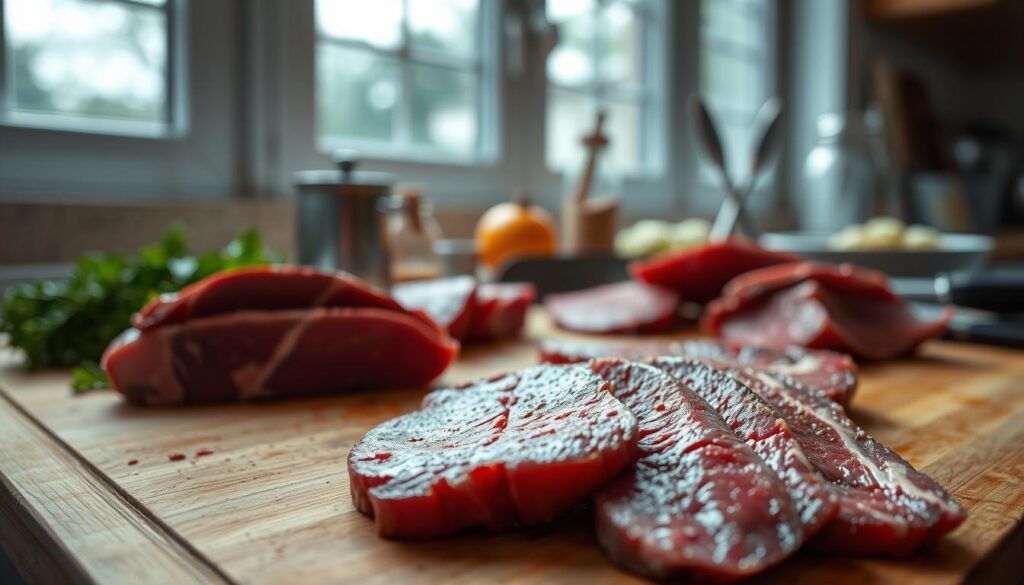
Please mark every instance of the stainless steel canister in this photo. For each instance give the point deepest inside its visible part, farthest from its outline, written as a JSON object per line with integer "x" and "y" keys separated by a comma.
{"x": 341, "y": 225}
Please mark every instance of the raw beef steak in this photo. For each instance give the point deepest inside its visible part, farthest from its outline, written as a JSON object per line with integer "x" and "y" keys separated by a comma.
{"x": 268, "y": 288}
{"x": 760, "y": 426}
{"x": 698, "y": 500}
{"x": 253, "y": 355}
{"x": 698, "y": 274}
{"x": 885, "y": 505}
{"x": 625, "y": 307}
{"x": 818, "y": 306}
{"x": 449, "y": 301}
{"x": 832, "y": 374}
{"x": 518, "y": 448}
{"x": 274, "y": 332}
{"x": 500, "y": 311}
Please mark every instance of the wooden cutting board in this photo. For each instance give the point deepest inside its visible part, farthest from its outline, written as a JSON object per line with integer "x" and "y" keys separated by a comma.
{"x": 90, "y": 490}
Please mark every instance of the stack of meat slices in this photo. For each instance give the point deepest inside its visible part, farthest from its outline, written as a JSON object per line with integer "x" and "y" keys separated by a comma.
{"x": 716, "y": 466}
{"x": 274, "y": 332}
{"x": 470, "y": 312}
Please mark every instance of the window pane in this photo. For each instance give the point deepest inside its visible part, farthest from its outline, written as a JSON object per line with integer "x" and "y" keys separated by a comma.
{"x": 622, "y": 46}
{"x": 570, "y": 116}
{"x": 88, "y": 58}
{"x": 378, "y": 23}
{"x": 571, "y": 62}
{"x": 444, "y": 24}
{"x": 444, "y": 109}
{"x": 356, "y": 93}
{"x": 625, "y": 131}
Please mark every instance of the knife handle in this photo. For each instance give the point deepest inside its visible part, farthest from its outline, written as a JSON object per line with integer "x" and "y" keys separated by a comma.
{"x": 999, "y": 291}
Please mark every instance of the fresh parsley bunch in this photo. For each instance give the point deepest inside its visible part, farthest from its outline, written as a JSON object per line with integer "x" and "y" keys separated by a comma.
{"x": 70, "y": 323}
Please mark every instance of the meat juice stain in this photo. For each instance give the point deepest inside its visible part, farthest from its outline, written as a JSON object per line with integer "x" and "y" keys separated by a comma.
{"x": 204, "y": 452}
{"x": 176, "y": 456}
{"x": 133, "y": 462}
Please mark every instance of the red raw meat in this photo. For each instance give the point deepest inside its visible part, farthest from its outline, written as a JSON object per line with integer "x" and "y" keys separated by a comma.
{"x": 471, "y": 313}
{"x": 518, "y": 448}
{"x": 699, "y": 274}
{"x": 819, "y": 306}
{"x": 760, "y": 426}
{"x": 831, "y": 374}
{"x": 698, "y": 500}
{"x": 449, "y": 301}
{"x": 885, "y": 505}
{"x": 625, "y": 307}
{"x": 500, "y": 311}
{"x": 251, "y": 355}
{"x": 268, "y": 288}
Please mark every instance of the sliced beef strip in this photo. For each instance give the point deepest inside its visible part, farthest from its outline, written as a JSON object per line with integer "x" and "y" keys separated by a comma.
{"x": 885, "y": 505}
{"x": 518, "y": 448}
{"x": 758, "y": 424}
{"x": 699, "y": 274}
{"x": 250, "y": 355}
{"x": 698, "y": 500}
{"x": 625, "y": 307}
{"x": 818, "y": 315}
{"x": 832, "y": 374}
{"x": 500, "y": 311}
{"x": 269, "y": 288}
{"x": 449, "y": 301}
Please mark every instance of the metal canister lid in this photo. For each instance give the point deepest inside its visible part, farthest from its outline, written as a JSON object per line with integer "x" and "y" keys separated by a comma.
{"x": 369, "y": 182}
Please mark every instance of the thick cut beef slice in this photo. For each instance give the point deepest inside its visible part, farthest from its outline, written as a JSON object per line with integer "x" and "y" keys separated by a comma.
{"x": 500, "y": 311}
{"x": 760, "y": 426}
{"x": 885, "y": 505}
{"x": 273, "y": 288}
{"x": 818, "y": 306}
{"x": 829, "y": 373}
{"x": 449, "y": 301}
{"x": 625, "y": 307}
{"x": 698, "y": 500}
{"x": 252, "y": 355}
{"x": 698, "y": 274}
{"x": 518, "y": 448}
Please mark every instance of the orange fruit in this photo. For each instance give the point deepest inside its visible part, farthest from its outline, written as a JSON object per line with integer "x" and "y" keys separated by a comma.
{"x": 514, "y": 230}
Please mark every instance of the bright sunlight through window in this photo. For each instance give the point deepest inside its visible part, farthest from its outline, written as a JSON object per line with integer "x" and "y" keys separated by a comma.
{"x": 93, "y": 65}
{"x": 402, "y": 77}
{"x": 602, "y": 60}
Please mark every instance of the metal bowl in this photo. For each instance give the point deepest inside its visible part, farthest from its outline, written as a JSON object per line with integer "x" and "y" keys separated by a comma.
{"x": 959, "y": 252}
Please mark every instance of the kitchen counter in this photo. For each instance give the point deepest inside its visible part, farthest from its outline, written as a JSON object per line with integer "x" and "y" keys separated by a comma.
{"x": 90, "y": 490}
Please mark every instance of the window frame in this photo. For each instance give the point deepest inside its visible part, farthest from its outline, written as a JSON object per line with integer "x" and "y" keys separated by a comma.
{"x": 197, "y": 158}
{"x": 649, "y": 98}
{"x": 483, "y": 66}
{"x": 173, "y": 122}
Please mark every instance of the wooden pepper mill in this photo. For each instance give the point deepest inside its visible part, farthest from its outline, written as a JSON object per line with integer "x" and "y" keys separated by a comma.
{"x": 589, "y": 223}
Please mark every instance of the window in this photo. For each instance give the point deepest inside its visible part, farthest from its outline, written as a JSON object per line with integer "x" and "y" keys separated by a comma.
{"x": 737, "y": 70}
{"x": 405, "y": 78}
{"x": 88, "y": 65}
{"x": 604, "y": 59}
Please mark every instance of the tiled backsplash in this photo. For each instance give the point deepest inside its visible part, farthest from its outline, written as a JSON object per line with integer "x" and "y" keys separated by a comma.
{"x": 41, "y": 233}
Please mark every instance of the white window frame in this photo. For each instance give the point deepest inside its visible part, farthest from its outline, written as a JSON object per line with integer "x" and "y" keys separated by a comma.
{"x": 484, "y": 66}
{"x": 249, "y": 99}
{"x": 650, "y": 98}
{"x": 196, "y": 157}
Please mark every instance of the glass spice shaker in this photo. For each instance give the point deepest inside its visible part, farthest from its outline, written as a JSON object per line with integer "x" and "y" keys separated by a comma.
{"x": 412, "y": 231}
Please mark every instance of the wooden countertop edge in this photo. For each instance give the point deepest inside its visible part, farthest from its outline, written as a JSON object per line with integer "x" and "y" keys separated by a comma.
{"x": 80, "y": 527}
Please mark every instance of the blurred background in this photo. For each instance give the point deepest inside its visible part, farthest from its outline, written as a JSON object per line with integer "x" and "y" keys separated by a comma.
{"x": 120, "y": 117}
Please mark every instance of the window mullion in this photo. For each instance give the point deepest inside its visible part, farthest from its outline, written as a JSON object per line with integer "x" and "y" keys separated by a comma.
{"x": 404, "y": 123}
{"x": 6, "y": 87}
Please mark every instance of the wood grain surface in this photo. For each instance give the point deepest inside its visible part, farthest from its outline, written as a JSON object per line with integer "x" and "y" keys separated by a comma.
{"x": 271, "y": 503}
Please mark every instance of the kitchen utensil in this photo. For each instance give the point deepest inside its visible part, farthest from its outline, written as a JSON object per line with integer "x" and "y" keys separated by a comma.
{"x": 959, "y": 252}
{"x": 711, "y": 147}
{"x": 996, "y": 290}
{"x": 341, "y": 224}
{"x": 565, "y": 273}
{"x": 767, "y": 136}
{"x": 589, "y": 223}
